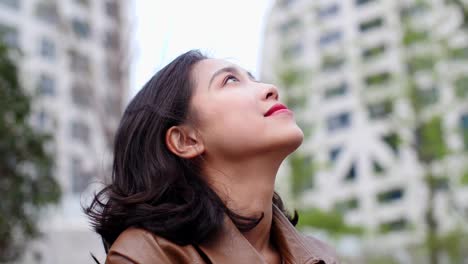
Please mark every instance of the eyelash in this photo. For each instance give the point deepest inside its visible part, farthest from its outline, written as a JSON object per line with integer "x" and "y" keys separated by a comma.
{"x": 230, "y": 76}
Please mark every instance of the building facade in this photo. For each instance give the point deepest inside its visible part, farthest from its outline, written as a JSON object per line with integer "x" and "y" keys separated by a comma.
{"x": 74, "y": 61}
{"x": 354, "y": 57}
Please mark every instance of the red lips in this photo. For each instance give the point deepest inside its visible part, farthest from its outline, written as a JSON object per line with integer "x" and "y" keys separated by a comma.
{"x": 275, "y": 108}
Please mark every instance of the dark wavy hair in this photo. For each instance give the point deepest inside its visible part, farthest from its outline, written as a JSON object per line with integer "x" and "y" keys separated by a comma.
{"x": 151, "y": 187}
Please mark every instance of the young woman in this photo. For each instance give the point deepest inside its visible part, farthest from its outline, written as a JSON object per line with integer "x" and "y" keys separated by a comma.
{"x": 195, "y": 160}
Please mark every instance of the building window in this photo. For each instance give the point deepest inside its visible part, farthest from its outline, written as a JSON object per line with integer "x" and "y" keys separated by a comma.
{"x": 392, "y": 226}
{"x": 371, "y": 24}
{"x": 334, "y": 154}
{"x": 347, "y": 205}
{"x": 112, "y": 40}
{"x": 47, "y": 49}
{"x": 392, "y": 140}
{"x": 46, "y": 85}
{"x": 289, "y": 25}
{"x": 390, "y": 196}
{"x": 332, "y": 62}
{"x": 84, "y": 3}
{"x": 113, "y": 72}
{"x": 373, "y": 52}
{"x": 330, "y": 37}
{"x": 112, "y": 9}
{"x": 328, "y": 11}
{"x": 286, "y": 3}
{"x": 293, "y": 51}
{"x": 377, "y": 79}
{"x": 380, "y": 110}
{"x": 464, "y": 129}
{"x": 426, "y": 96}
{"x": 364, "y": 2}
{"x": 79, "y": 62}
{"x": 351, "y": 175}
{"x": 339, "y": 121}
{"x": 81, "y": 28}
{"x": 11, "y": 3}
{"x": 42, "y": 120}
{"x": 82, "y": 94}
{"x": 419, "y": 7}
{"x": 440, "y": 183}
{"x": 336, "y": 91}
{"x": 9, "y": 36}
{"x": 377, "y": 168}
{"x": 47, "y": 11}
{"x": 112, "y": 106}
{"x": 80, "y": 131}
{"x": 421, "y": 63}
{"x": 80, "y": 178}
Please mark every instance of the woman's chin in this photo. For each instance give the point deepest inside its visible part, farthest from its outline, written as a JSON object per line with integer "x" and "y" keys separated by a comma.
{"x": 297, "y": 138}
{"x": 291, "y": 140}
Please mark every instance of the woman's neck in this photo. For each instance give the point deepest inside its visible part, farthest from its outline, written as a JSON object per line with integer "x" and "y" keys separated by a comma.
{"x": 247, "y": 188}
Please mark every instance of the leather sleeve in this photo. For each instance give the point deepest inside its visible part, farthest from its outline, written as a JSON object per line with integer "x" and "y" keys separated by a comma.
{"x": 137, "y": 246}
{"x": 327, "y": 253}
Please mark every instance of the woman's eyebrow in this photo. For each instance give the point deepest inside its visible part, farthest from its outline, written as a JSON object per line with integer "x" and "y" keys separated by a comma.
{"x": 251, "y": 76}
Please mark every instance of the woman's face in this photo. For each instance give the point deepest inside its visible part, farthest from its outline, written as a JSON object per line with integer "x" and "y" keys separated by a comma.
{"x": 235, "y": 114}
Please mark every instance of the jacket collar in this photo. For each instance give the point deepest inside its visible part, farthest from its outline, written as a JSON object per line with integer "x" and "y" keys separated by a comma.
{"x": 231, "y": 247}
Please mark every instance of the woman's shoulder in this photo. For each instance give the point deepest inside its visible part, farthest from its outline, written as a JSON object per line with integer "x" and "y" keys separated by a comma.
{"x": 137, "y": 245}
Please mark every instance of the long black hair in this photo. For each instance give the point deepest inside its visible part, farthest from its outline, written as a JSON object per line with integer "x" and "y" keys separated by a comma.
{"x": 152, "y": 188}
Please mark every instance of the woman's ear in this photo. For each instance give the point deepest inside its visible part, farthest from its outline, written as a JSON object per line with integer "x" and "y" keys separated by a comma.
{"x": 184, "y": 142}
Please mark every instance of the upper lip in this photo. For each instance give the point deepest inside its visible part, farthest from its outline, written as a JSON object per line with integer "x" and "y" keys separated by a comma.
{"x": 275, "y": 108}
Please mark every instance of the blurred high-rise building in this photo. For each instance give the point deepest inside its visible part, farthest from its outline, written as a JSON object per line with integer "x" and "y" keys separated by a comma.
{"x": 74, "y": 59}
{"x": 351, "y": 57}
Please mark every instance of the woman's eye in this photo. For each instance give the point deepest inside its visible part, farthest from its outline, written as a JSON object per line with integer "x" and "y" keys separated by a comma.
{"x": 230, "y": 79}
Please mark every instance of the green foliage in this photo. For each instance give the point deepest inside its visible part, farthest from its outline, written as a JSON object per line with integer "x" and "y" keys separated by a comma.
{"x": 373, "y": 52}
{"x": 454, "y": 244}
{"x": 302, "y": 173}
{"x": 345, "y": 206}
{"x": 414, "y": 36}
{"x": 332, "y": 222}
{"x": 26, "y": 181}
{"x": 396, "y": 225}
{"x": 462, "y": 6}
{"x": 458, "y": 53}
{"x": 430, "y": 141}
{"x": 421, "y": 98}
{"x": 303, "y": 167}
{"x": 461, "y": 87}
{"x": 464, "y": 178}
{"x": 290, "y": 77}
{"x": 332, "y": 62}
{"x": 380, "y": 110}
{"x": 378, "y": 79}
{"x": 421, "y": 63}
{"x": 392, "y": 140}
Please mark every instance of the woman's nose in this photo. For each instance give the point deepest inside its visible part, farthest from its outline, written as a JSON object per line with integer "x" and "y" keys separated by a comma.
{"x": 270, "y": 92}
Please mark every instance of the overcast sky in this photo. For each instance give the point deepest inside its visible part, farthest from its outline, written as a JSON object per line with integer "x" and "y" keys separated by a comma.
{"x": 221, "y": 28}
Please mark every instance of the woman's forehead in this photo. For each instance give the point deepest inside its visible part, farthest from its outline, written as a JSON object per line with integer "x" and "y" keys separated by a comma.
{"x": 208, "y": 67}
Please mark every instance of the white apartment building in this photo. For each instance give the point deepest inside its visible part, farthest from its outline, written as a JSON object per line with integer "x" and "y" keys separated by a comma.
{"x": 74, "y": 59}
{"x": 353, "y": 55}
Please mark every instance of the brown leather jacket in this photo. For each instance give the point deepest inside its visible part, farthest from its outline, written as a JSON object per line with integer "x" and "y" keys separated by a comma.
{"x": 138, "y": 246}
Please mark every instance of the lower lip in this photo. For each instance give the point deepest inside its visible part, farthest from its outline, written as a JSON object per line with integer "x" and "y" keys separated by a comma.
{"x": 282, "y": 111}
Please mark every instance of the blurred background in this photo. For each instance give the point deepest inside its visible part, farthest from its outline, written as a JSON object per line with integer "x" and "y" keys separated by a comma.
{"x": 380, "y": 88}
